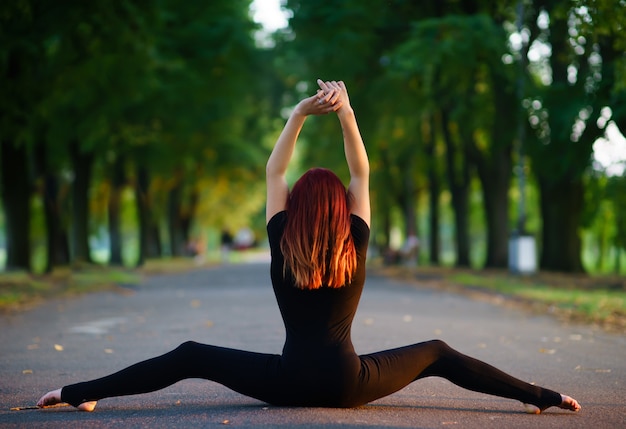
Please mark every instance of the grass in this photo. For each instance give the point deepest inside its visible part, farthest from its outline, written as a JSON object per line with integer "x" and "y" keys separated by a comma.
{"x": 21, "y": 290}
{"x": 600, "y": 303}
{"x": 599, "y": 300}
{"x": 18, "y": 288}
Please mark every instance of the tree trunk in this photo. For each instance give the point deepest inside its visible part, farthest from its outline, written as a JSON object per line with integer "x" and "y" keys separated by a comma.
{"x": 384, "y": 245}
{"x": 186, "y": 216}
{"x": 384, "y": 199}
{"x": 16, "y": 192}
{"x": 175, "y": 227}
{"x": 434, "y": 191}
{"x": 141, "y": 199}
{"x": 57, "y": 246}
{"x": 434, "y": 243}
{"x": 118, "y": 179}
{"x": 559, "y": 161}
{"x": 458, "y": 178}
{"x": 411, "y": 247}
{"x": 155, "y": 244}
{"x": 82, "y": 164}
{"x": 561, "y": 208}
{"x": 495, "y": 178}
{"x": 460, "y": 204}
{"x": 494, "y": 168}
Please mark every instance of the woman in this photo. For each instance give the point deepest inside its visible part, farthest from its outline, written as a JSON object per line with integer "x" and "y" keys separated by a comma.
{"x": 318, "y": 236}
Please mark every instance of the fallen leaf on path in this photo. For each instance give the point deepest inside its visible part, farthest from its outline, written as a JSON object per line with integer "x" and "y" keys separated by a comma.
{"x": 32, "y": 346}
{"x": 108, "y": 351}
{"x": 208, "y": 324}
{"x": 35, "y": 407}
{"x": 195, "y": 303}
{"x": 547, "y": 351}
{"x": 58, "y": 347}
{"x": 27, "y": 371}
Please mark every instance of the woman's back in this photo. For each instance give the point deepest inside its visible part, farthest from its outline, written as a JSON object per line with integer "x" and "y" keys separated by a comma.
{"x": 316, "y": 318}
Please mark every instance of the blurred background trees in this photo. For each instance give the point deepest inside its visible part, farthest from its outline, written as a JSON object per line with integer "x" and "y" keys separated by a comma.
{"x": 129, "y": 130}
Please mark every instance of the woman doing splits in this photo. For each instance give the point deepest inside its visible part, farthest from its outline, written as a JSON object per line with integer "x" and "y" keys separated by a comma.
{"x": 318, "y": 234}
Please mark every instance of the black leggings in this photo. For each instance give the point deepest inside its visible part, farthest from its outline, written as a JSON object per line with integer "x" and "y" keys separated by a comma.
{"x": 347, "y": 382}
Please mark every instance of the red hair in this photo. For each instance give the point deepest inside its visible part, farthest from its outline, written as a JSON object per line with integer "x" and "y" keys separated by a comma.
{"x": 317, "y": 244}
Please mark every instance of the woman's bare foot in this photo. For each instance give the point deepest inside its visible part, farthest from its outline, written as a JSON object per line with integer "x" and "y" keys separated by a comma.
{"x": 50, "y": 398}
{"x": 54, "y": 397}
{"x": 567, "y": 403}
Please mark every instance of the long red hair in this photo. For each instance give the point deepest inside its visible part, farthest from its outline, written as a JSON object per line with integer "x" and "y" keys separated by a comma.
{"x": 317, "y": 244}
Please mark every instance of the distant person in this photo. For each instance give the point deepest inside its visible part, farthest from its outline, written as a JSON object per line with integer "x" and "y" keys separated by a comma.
{"x": 226, "y": 244}
{"x": 318, "y": 236}
{"x": 410, "y": 250}
{"x": 196, "y": 248}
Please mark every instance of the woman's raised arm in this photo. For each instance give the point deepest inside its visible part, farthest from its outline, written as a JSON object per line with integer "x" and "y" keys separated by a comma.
{"x": 356, "y": 155}
{"x": 276, "y": 168}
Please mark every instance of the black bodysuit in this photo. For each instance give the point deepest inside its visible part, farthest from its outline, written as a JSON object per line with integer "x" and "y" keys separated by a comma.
{"x": 318, "y": 365}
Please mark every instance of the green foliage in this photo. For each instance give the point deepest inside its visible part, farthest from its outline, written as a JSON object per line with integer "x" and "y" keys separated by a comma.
{"x": 452, "y": 63}
{"x": 604, "y": 19}
{"x": 181, "y": 90}
{"x": 616, "y": 194}
{"x": 566, "y": 110}
{"x": 445, "y": 53}
{"x": 168, "y": 85}
{"x": 600, "y": 304}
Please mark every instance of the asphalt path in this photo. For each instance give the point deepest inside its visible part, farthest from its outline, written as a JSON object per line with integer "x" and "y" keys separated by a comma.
{"x": 71, "y": 340}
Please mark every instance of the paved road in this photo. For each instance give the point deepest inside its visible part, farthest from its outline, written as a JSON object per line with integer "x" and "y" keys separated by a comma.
{"x": 71, "y": 340}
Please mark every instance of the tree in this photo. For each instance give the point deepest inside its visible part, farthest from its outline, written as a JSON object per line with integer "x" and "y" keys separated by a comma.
{"x": 53, "y": 195}
{"x": 569, "y": 95}
{"x": 135, "y": 90}
{"x": 616, "y": 189}
{"x": 97, "y": 55}
{"x": 207, "y": 73}
{"x": 21, "y": 48}
{"x": 15, "y": 193}
{"x": 457, "y": 61}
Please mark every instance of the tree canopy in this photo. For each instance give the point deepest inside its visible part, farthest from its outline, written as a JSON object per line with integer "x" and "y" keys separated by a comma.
{"x": 465, "y": 106}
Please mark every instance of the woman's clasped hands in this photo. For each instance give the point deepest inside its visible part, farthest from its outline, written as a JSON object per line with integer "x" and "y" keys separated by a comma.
{"x": 330, "y": 97}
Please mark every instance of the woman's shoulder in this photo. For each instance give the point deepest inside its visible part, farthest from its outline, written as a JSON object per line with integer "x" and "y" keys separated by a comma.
{"x": 360, "y": 230}
{"x": 277, "y": 218}
{"x": 358, "y": 222}
{"x": 276, "y": 223}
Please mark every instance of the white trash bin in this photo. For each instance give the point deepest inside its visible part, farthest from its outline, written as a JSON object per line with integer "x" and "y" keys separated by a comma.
{"x": 522, "y": 254}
